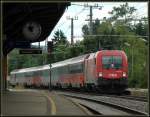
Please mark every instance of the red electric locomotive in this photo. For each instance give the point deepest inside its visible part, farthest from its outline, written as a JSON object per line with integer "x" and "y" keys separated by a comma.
{"x": 104, "y": 70}
{"x": 112, "y": 70}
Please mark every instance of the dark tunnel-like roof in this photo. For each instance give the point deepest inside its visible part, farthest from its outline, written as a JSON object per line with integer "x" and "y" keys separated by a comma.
{"x": 16, "y": 15}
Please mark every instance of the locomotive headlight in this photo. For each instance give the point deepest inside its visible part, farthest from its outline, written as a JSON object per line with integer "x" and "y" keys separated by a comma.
{"x": 124, "y": 74}
{"x": 100, "y": 74}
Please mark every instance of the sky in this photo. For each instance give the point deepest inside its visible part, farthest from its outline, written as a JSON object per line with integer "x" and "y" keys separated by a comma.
{"x": 75, "y": 10}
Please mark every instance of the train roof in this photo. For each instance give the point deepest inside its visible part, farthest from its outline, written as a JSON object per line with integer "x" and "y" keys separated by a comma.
{"x": 31, "y": 69}
{"x": 70, "y": 61}
{"x": 57, "y": 64}
{"x": 111, "y": 51}
{"x": 107, "y": 52}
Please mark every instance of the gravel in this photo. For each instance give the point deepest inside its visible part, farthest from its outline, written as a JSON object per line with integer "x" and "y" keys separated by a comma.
{"x": 133, "y": 104}
{"x": 137, "y": 105}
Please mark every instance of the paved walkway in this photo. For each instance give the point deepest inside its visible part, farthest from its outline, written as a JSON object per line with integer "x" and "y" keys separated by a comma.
{"x": 27, "y": 102}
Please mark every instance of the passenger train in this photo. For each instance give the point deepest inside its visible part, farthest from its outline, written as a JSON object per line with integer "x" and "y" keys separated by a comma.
{"x": 103, "y": 70}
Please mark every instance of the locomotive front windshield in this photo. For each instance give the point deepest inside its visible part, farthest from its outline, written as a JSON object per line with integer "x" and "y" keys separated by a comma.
{"x": 114, "y": 62}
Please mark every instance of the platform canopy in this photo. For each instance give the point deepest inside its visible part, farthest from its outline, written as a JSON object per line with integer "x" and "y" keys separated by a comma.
{"x": 25, "y": 23}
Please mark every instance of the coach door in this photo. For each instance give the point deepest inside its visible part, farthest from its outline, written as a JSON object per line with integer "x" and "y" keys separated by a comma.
{"x": 85, "y": 69}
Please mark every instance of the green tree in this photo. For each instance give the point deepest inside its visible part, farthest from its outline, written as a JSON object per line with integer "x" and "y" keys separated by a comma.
{"x": 61, "y": 44}
{"x": 85, "y": 29}
{"x": 141, "y": 28}
{"x": 59, "y": 38}
{"x": 123, "y": 11}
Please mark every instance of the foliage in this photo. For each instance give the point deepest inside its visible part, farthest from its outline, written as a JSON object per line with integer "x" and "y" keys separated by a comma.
{"x": 141, "y": 28}
{"x": 124, "y": 11}
{"x": 17, "y": 61}
{"x": 59, "y": 38}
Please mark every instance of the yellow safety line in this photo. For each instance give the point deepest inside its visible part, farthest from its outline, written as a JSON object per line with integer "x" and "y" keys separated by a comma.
{"x": 53, "y": 105}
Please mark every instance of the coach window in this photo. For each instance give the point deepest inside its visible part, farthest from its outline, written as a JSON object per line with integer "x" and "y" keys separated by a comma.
{"x": 61, "y": 70}
{"x": 34, "y": 74}
{"x": 39, "y": 73}
{"x": 28, "y": 74}
{"x": 66, "y": 69}
{"x": 81, "y": 67}
{"x": 44, "y": 73}
{"x": 16, "y": 75}
{"x": 76, "y": 68}
{"x": 21, "y": 75}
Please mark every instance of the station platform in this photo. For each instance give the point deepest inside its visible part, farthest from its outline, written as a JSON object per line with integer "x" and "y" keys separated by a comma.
{"x": 28, "y": 102}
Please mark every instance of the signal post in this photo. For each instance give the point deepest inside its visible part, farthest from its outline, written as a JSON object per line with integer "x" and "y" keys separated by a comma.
{"x": 49, "y": 51}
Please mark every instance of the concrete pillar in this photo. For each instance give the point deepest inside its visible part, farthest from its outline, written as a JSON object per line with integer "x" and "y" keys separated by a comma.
{"x": 4, "y": 73}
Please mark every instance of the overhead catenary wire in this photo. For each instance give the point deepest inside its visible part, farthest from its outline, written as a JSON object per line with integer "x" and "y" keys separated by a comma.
{"x": 80, "y": 12}
{"x": 77, "y": 4}
{"x": 120, "y": 19}
{"x": 118, "y": 35}
{"x": 113, "y": 35}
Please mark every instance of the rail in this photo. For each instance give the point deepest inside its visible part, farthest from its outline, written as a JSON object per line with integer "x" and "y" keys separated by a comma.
{"x": 119, "y": 107}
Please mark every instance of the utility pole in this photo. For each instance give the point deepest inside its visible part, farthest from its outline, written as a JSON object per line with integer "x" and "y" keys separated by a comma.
{"x": 91, "y": 14}
{"x": 72, "y": 27}
{"x": 46, "y": 52}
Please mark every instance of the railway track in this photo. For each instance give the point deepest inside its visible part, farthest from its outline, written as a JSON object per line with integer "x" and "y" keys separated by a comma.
{"x": 130, "y": 111}
{"x": 137, "y": 98}
{"x": 130, "y": 97}
{"x": 124, "y": 96}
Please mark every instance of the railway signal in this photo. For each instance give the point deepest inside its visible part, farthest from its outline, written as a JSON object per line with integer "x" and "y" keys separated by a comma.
{"x": 49, "y": 46}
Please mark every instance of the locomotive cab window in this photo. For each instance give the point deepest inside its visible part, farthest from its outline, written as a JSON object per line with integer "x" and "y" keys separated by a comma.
{"x": 106, "y": 61}
{"x": 114, "y": 62}
{"x": 117, "y": 60}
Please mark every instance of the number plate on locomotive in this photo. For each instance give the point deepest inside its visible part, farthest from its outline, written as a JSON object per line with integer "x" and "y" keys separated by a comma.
{"x": 113, "y": 75}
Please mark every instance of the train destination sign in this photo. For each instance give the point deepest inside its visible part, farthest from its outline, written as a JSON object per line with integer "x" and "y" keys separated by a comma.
{"x": 30, "y": 51}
